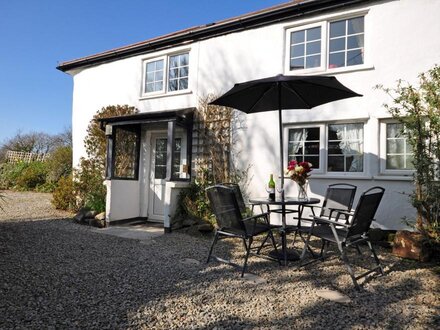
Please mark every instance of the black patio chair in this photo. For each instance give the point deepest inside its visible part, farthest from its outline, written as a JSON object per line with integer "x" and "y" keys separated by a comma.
{"x": 232, "y": 224}
{"x": 345, "y": 235}
{"x": 338, "y": 197}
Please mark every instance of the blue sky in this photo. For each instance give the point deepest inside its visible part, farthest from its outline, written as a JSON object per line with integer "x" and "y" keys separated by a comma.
{"x": 36, "y": 35}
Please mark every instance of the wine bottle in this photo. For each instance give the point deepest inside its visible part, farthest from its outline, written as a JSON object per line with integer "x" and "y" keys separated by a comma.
{"x": 271, "y": 190}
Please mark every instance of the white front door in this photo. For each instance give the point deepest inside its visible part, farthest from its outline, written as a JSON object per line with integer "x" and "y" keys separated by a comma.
{"x": 158, "y": 171}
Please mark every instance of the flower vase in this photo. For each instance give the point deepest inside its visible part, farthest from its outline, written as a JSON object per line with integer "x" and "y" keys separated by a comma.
{"x": 302, "y": 190}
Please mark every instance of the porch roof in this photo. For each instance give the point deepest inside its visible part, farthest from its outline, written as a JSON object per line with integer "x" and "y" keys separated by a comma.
{"x": 180, "y": 116}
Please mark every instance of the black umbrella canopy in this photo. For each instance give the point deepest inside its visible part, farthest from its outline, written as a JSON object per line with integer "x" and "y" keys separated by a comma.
{"x": 284, "y": 92}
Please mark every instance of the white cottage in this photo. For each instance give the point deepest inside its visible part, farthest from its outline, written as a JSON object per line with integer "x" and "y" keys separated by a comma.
{"x": 362, "y": 43}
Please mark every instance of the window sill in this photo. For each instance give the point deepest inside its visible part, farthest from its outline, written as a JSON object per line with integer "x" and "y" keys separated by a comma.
{"x": 349, "y": 176}
{"x": 345, "y": 69}
{"x": 155, "y": 96}
{"x": 393, "y": 177}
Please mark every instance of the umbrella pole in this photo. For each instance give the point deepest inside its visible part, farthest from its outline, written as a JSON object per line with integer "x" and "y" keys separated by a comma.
{"x": 280, "y": 123}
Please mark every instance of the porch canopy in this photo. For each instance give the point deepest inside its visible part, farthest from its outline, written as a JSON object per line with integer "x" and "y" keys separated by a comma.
{"x": 169, "y": 119}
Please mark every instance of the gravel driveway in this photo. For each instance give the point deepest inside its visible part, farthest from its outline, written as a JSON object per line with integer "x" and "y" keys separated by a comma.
{"x": 59, "y": 275}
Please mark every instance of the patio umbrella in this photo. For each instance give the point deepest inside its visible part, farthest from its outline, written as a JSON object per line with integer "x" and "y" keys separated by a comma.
{"x": 281, "y": 93}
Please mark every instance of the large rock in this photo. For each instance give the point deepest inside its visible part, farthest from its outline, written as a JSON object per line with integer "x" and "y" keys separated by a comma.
{"x": 80, "y": 217}
{"x": 411, "y": 245}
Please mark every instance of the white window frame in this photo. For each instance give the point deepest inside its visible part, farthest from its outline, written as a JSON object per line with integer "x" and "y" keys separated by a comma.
{"x": 320, "y": 68}
{"x": 345, "y": 50}
{"x": 164, "y": 85}
{"x": 323, "y": 151}
{"x": 383, "y": 150}
{"x": 322, "y": 128}
{"x": 324, "y": 22}
{"x": 166, "y": 58}
{"x": 363, "y": 148}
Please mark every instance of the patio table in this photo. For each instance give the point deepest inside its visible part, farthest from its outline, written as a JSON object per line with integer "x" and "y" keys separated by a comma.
{"x": 286, "y": 254}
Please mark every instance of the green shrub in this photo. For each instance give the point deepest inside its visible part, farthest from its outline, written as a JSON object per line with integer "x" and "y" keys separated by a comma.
{"x": 63, "y": 197}
{"x": 9, "y": 174}
{"x": 33, "y": 175}
{"x": 89, "y": 184}
{"x": 59, "y": 164}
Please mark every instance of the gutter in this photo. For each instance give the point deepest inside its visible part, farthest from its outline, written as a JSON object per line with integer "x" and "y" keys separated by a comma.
{"x": 212, "y": 30}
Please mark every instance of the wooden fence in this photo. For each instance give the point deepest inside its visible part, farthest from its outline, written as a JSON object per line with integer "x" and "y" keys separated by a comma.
{"x": 20, "y": 156}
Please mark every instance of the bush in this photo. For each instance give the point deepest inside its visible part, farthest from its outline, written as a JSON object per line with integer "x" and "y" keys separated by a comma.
{"x": 59, "y": 164}
{"x": 63, "y": 197}
{"x": 89, "y": 184}
{"x": 9, "y": 173}
{"x": 33, "y": 175}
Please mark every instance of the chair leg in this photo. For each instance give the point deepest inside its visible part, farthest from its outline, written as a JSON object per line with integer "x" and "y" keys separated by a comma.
{"x": 347, "y": 265}
{"x": 264, "y": 242}
{"x": 248, "y": 250}
{"x": 375, "y": 257}
{"x": 214, "y": 241}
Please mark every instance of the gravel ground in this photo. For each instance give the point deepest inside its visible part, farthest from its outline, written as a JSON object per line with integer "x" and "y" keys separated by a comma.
{"x": 56, "y": 274}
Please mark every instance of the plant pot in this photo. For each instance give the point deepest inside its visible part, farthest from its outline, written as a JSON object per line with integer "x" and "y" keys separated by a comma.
{"x": 411, "y": 245}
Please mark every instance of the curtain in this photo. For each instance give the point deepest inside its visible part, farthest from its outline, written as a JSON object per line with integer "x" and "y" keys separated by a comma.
{"x": 351, "y": 136}
{"x": 297, "y": 136}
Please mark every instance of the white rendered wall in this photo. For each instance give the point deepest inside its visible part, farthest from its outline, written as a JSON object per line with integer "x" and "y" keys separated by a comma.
{"x": 401, "y": 42}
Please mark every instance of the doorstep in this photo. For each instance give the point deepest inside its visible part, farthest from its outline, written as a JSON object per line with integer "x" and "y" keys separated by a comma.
{"x": 138, "y": 231}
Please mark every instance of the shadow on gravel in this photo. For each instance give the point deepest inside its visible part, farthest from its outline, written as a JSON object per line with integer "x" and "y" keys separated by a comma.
{"x": 56, "y": 273}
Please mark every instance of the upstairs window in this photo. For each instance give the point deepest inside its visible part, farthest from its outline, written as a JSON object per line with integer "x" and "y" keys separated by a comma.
{"x": 166, "y": 74}
{"x": 305, "y": 49}
{"x": 178, "y": 72}
{"x": 326, "y": 45}
{"x": 154, "y": 77}
{"x": 346, "y": 43}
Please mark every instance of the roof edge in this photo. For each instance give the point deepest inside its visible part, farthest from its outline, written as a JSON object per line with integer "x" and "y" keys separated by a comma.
{"x": 251, "y": 20}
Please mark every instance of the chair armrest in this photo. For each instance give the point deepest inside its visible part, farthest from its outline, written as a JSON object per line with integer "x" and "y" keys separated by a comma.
{"x": 254, "y": 218}
{"x": 328, "y": 221}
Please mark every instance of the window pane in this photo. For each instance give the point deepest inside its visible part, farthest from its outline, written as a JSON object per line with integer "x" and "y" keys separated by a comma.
{"x": 314, "y": 34}
{"x": 173, "y": 73}
{"x": 125, "y": 153}
{"x": 313, "y": 47}
{"x": 337, "y": 44}
{"x": 313, "y": 61}
{"x": 336, "y": 60}
{"x": 345, "y": 147}
{"x": 409, "y": 162}
{"x": 174, "y": 61}
{"x": 355, "y": 57}
{"x": 297, "y": 37}
{"x": 335, "y": 164}
{"x": 184, "y": 59}
{"x": 395, "y": 162}
{"x": 395, "y": 146}
{"x": 160, "y": 172}
{"x": 354, "y": 164}
{"x": 337, "y": 29}
{"x": 158, "y": 86}
{"x": 159, "y": 65}
{"x": 158, "y": 76}
{"x": 297, "y": 63}
{"x": 297, "y": 50}
{"x": 172, "y": 85}
{"x": 311, "y": 148}
{"x": 150, "y": 87}
{"x": 393, "y": 130}
{"x": 304, "y": 144}
{"x": 183, "y": 84}
{"x": 356, "y": 25}
{"x": 355, "y": 41}
{"x": 183, "y": 72}
{"x": 313, "y": 134}
{"x": 151, "y": 66}
{"x": 150, "y": 77}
